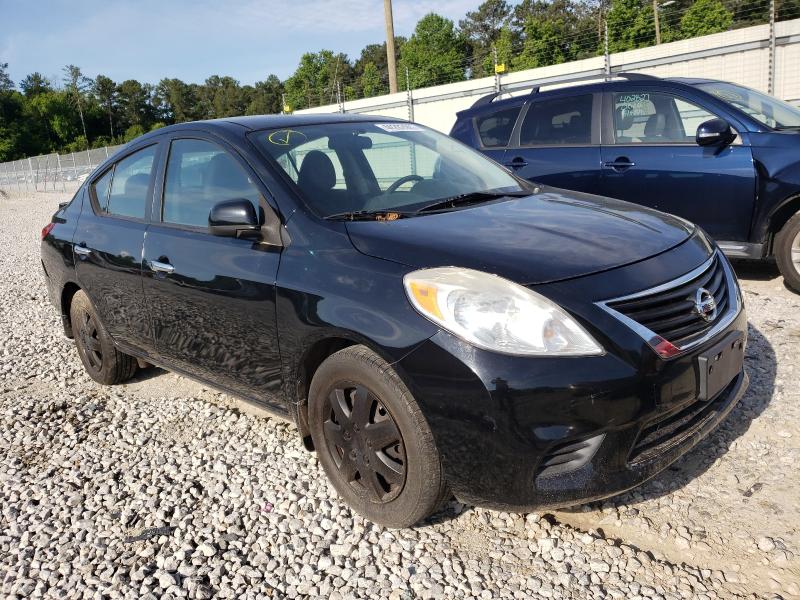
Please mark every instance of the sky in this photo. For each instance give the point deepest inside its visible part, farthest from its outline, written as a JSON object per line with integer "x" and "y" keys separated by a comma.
{"x": 193, "y": 39}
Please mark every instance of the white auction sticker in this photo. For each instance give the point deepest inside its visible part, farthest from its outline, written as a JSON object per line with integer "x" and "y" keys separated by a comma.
{"x": 398, "y": 126}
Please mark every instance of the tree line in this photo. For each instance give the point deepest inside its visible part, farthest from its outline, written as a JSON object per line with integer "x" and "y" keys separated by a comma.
{"x": 39, "y": 115}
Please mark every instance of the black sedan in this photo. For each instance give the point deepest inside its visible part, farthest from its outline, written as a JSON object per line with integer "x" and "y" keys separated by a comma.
{"x": 432, "y": 323}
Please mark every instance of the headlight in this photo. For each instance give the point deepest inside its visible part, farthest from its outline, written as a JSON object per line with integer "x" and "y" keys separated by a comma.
{"x": 496, "y": 314}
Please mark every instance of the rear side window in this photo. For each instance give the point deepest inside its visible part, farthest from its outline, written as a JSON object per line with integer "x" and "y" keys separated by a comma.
{"x": 199, "y": 175}
{"x": 100, "y": 189}
{"x": 558, "y": 122}
{"x": 130, "y": 183}
{"x": 495, "y": 128}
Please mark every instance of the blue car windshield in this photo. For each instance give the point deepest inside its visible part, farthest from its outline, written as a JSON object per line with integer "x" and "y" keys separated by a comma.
{"x": 380, "y": 166}
{"x": 765, "y": 109}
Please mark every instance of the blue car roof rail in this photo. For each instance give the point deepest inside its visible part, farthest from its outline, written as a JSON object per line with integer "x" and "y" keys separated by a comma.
{"x": 489, "y": 98}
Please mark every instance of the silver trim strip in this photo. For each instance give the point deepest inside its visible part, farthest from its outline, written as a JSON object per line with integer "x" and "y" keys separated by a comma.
{"x": 161, "y": 267}
{"x": 733, "y": 310}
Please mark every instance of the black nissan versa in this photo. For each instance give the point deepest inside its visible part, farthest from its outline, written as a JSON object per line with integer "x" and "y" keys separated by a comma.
{"x": 431, "y": 322}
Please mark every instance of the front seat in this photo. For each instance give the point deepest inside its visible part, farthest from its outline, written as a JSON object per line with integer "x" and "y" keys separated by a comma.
{"x": 655, "y": 127}
{"x": 316, "y": 180}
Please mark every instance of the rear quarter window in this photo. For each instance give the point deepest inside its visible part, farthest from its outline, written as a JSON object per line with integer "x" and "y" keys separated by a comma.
{"x": 494, "y": 129}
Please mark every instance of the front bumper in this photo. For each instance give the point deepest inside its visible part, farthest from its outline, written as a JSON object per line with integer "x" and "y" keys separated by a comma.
{"x": 506, "y": 426}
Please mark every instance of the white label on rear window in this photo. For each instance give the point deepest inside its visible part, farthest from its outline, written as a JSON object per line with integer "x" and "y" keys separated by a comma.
{"x": 398, "y": 126}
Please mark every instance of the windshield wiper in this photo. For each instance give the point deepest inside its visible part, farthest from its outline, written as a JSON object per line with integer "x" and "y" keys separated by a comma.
{"x": 368, "y": 215}
{"x": 470, "y": 198}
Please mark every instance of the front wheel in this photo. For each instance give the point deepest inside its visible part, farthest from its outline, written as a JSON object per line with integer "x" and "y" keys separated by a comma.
{"x": 373, "y": 441}
{"x": 787, "y": 252}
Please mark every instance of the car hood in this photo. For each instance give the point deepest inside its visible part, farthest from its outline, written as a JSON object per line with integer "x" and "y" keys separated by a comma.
{"x": 549, "y": 236}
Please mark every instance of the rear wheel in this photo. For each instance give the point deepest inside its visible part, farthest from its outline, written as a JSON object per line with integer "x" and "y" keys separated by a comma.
{"x": 373, "y": 441}
{"x": 101, "y": 359}
{"x": 787, "y": 252}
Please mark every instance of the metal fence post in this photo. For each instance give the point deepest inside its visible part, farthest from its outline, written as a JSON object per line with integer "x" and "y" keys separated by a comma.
{"x": 60, "y": 174}
{"x": 496, "y": 72}
{"x": 771, "y": 66}
{"x": 606, "y": 54}
{"x": 409, "y": 97}
{"x": 106, "y": 149}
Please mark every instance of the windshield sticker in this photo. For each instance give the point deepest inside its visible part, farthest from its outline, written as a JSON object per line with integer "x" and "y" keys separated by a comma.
{"x": 398, "y": 127}
{"x": 287, "y": 137}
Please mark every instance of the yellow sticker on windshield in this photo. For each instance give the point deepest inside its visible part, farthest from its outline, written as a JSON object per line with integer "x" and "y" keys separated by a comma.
{"x": 287, "y": 137}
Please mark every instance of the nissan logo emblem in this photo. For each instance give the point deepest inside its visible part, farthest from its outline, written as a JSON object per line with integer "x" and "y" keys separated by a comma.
{"x": 705, "y": 305}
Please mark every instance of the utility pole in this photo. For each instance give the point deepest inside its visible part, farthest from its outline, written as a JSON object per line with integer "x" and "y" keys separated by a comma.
{"x": 658, "y": 26}
{"x": 387, "y": 13}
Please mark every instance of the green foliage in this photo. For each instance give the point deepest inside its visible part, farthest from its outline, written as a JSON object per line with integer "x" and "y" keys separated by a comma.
{"x": 370, "y": 81}
{"x": 6, "y": 85}
{"x": 483, "y": 29}
{"x": 314, "y": 81}
{"x": 705, "y": 17}
{"x": 132, "y": 132}
{"x": 435, "y": 53}
{"x": 631, "y": 24}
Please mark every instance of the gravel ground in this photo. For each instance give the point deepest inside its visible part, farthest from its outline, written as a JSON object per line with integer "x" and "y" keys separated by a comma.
{"x": 163, "y": 488}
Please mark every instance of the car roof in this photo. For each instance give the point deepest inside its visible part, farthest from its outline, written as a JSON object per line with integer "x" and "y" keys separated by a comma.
{"x": 255, "y": 122}
{"x": 488, "y": 104}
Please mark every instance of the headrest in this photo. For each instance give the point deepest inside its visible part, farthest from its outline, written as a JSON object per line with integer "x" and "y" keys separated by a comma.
{"x": 623, "y": 117}
{"x": 316, "y": 172}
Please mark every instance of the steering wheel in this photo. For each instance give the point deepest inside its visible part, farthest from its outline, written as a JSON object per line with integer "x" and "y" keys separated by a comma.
{"x": 405, "y": 179}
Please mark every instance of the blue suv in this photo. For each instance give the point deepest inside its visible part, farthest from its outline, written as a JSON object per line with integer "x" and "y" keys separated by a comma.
{"x": 719, "y": 154}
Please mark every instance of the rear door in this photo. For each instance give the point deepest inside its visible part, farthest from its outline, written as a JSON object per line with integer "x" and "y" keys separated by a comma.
{"x": 652, "y": 159}
{"x": 212, "y": 298}
{"x": 493, "y": 130}
{"x": 108, "y": 245}
{"x": 557, "y": 142}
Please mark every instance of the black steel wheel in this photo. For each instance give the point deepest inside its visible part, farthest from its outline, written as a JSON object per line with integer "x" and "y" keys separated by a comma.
{"x": 372, "y": 439}
{"x": 101, "y": 359}
{"x": 365, "y": 443}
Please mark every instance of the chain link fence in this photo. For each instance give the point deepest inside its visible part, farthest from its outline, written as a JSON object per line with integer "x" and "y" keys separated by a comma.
{"x": 51, "y": 172}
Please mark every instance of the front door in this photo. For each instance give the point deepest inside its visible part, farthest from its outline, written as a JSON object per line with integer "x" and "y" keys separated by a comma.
{"x": 108, "y": 246}
{"x": 558, "y": 143}
{"x": 212, "y": 299}
{"x": 651, "y": 158}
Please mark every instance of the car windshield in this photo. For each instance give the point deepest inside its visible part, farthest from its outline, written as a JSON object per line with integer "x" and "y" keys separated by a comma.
{"x": 374, "y": 167}
{"x": 766, "y": 109}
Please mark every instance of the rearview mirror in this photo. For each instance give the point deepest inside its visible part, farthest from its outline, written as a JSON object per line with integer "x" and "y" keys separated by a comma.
{"x": 233, "y": 218}
{"x": 714, "y": 132}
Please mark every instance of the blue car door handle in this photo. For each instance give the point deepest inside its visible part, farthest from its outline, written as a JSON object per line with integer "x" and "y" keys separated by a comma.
{"x": 517, "y": 163}
{"x": 621, "y": 163}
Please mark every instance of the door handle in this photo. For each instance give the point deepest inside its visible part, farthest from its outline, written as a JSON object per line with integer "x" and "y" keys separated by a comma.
{"x": 161, "y": 267}
{"x": 517, "y": 163}
{"x": 622, "y": 163}
{"x": 82, "y": 250}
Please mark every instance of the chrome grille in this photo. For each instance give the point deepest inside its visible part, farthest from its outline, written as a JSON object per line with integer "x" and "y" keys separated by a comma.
{"x": 670, "y": 310}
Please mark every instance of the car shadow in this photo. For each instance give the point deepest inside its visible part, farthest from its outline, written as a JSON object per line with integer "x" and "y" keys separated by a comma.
{"x": 146, "y": 374}
{"x": 756, "y": 270}
{"x": 761, "y": 366}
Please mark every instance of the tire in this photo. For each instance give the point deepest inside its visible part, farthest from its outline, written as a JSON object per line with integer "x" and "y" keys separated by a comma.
{"x": 101, "y": 359}
{"x": 787, "y": 252}
{"x": 353, "y": 391}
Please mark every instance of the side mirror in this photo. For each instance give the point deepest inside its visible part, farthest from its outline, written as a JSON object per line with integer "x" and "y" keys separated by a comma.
{"x": 233, "y": 218}
{"x": 714, "y": 132}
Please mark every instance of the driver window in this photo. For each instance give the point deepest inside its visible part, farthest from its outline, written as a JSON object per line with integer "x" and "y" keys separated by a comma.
{"x": 199, "y": 175}
{"x": 655, "y": 118}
